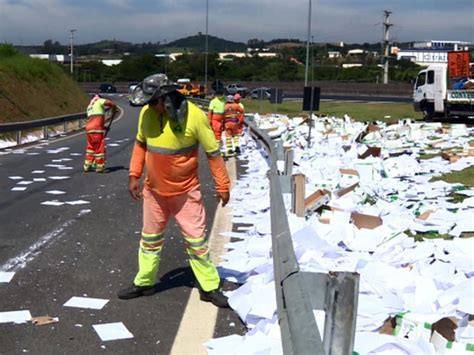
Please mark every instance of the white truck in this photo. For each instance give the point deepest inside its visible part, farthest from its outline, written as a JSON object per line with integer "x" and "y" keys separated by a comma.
{"x": 434, "y": 94}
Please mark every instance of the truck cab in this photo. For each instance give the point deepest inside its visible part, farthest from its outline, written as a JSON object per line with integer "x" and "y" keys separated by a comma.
{"x": 446, "y": 89}
{"x": 430, "y": 90}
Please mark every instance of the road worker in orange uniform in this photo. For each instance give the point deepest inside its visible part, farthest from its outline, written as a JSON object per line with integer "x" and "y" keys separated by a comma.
{"x": 96, "y": 131}
{"x": 240, "y": 128}
{"x": 170, "y": 130}
{"x": 215, "y": 114}
{"x": 233, "y": 118}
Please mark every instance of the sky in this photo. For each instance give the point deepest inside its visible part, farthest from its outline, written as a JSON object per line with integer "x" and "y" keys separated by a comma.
{"x": 24, "y": 22}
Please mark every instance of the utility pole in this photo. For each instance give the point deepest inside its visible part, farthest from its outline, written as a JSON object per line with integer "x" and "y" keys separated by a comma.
{"x": 307, "y": 46}
{"x": 386, "y": 43}
{"x": 72, "y": 50}
{"x": 206, "y": 46}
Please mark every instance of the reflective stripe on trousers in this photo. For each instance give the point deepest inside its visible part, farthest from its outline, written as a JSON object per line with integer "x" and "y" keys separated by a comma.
{"x": 189, "y": 213}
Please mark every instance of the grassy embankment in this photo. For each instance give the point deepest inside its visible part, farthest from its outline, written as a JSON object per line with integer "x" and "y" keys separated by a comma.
{"x": 359, "y": 111}
{"x": 32, "y": 89}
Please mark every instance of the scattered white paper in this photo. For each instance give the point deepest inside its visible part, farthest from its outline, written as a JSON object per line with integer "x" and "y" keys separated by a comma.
{"x": 6, "y": 276}
{"x": 24, "y": 182}
{"x": 77, "y": 202}
{"x": 112, "y": 331}
{"x": 52, "y": 203}
{"x": 19, "y": 188}
{"x": 15, "y": 177}
{"x": 15, "y": 317}
{"x": 59, "y": 177}
{"x": 86, "y": 302}
{"x": 38, "y": 171}
{"x": 55, "y": 192}
{"x": 39, "y": 179}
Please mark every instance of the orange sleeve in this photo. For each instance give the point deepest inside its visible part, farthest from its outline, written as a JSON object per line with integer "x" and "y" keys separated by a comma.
{"x": 219, "y": 172}
{"x": 137, "y": 162}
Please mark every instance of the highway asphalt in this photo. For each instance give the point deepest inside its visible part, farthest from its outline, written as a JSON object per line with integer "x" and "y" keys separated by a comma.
{"x": 88, "y": 250}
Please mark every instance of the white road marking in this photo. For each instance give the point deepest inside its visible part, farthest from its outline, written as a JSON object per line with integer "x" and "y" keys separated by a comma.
{"x": 20, "y": 261}
{"x": 199, "y": 318}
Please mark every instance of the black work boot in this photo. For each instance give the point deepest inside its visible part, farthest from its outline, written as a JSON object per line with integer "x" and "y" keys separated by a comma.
{"x": 136, "y": 291}
{"x": 216, "y": 297}
{"x": 237, "y": 150}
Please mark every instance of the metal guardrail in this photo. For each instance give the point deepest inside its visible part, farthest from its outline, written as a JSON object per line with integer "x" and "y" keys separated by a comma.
{"x": 299, "y": 293}
{"x": 44, "y": 123}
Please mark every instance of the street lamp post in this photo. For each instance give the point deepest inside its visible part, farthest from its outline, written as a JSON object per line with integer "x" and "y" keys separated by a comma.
{"x": 72, "y": 50}
{"x": 307, "y": 46}
{"x": 207, "y": 46}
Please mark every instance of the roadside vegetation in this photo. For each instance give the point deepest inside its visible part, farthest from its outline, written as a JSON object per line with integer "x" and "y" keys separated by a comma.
{"x": 33, "y": 88}
{"x": 359, "y": 111}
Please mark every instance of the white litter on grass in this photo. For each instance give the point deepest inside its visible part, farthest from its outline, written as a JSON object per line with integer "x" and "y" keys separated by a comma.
{"x": 52, "y": 203}
{"x": 432, "y": 279}
{"x": 15, "y": 317}
{"x": 112, "y": 331}
{"x": 6, "y": 276}
{"x": 86, "y": 302}
{"x": 19, "y": 188}
{"x": 55, "y": 192}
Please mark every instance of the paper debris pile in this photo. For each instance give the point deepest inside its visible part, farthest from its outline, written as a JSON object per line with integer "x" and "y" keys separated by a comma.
{"x": 379, "y": 199}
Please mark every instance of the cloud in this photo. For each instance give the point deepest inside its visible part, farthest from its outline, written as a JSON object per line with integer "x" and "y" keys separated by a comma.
{"x": 32, "y": 22}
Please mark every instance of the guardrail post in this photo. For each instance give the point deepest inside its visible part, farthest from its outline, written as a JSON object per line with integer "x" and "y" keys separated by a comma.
{"x": 45, "y": 132}
{"x": 18, "y": 137}
{"x": 65, "y": 127}
{"x": 298, "y": 194}
{"x": 342, "y": 294}
{"x": 289, "y": 155}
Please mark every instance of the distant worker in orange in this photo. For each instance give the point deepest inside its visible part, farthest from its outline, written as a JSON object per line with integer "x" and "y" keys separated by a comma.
{"x": 96, "y": 132}
{"x": 233, "y": 117}
{"x": 215, "y": 114}
{"x": 237, "y": 98}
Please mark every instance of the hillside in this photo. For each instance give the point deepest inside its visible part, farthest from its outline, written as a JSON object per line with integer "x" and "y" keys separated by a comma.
{"x": 215, "y": 44}
{"x": 33, "y": 89}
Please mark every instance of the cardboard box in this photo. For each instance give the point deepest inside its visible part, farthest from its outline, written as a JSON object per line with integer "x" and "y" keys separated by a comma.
{"x": 316, "y": 200}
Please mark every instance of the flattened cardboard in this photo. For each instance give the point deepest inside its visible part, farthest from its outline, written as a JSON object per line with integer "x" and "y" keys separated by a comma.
{"x": 371, "y": 151}
{"x": 365, "y": 221}
{"x": 44, "y": 320}
{"x": 424, "y": 216}
{"x": 345, "y": 190}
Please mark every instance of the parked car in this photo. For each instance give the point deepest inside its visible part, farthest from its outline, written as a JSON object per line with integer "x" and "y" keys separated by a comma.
{"x": 233, "y": 89}
{"x": 262, "y": 93}
{"x": 108, "y": 88}
{"x": 131, "y": 87}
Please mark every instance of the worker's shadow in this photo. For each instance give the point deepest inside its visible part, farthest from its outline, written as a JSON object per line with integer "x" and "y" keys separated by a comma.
{"x": 183, "y": 276}
{"x": 179, "y": 277}
{"x": 112, "y": 169}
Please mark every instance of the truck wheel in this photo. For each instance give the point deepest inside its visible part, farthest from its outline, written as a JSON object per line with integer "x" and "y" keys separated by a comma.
{"x": 428, "y": 112}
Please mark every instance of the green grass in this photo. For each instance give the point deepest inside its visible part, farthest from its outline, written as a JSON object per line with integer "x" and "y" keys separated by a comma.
{"x": 359, "y": 111}
{"x": 465, "y": 177}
